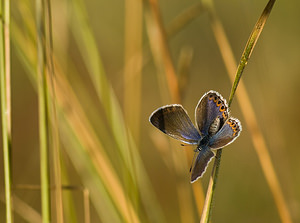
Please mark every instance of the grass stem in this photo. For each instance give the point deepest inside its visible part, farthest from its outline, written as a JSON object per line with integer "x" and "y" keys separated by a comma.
{"x": 54, "y": 133}
{"x": 43, "y": 108}
{"x": 6, "y": 103}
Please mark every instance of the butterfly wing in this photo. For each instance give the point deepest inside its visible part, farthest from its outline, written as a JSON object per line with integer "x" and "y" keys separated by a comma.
{"x": 204, "y": 157}
{"x": 226, "y": 135}
{"x": 174, "y": 121}
{"x": 211, "y": 108}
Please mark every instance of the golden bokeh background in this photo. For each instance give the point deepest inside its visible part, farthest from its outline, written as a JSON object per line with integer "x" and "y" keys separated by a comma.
{"x": 272, "y": 79}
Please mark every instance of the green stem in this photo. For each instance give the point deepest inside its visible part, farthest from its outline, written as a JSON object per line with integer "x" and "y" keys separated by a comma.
{"x": 6, "y": 102}
{"x": 43, "y": 116}
{"x": 250, "y": 46}
{"x": 54, "y": 132}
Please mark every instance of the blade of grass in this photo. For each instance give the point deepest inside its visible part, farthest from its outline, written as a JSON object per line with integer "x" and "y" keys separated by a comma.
{"x": 184, "y": 65}
{"x": 162, "y": 55}
{"x": 250, "y": 46}
{"x": 79, "y": 122}
{"x": 70, "y": 213}
{"x": 132, "y": 71}
{"x": 93, "y": 147}
{"x": 86, "y": 205}
{"x": 248, "y": 113}
{"x": 163, "y": 60}
{"x": 54, "y": 134}
{"x": 176, "y": 25}
{"x": 25, "y": 211}
{"x": 89, "y": 172}
{"x": 184, "y": 18}
{"x": 92, "y": 59}
{"x": 148, "y": 196}
{"x": 6, "y": 103}
{"x": 43, "y": 115}
{"x": 247, "y": 110}
{"x": 114, "y": 190}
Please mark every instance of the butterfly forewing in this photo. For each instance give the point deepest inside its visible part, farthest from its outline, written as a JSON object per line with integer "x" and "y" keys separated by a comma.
{"x": 210, "y": 106}
{"x": 174, "y": 121}
{"x": 227, "y": 134}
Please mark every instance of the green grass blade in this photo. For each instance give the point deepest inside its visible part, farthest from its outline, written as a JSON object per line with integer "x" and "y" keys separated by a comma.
{"x": 6, "y": 103}
{"x": 54, "y": 134}
{"x": 92, "y": 59}
{"x": 250, "y": 46}
{"x": 43, "y": 114}
{"x": 133, "y": 59}
{"x": 89, "y": 174}
{"x": 112, "y": 193}
{"x": 113, "y": 111}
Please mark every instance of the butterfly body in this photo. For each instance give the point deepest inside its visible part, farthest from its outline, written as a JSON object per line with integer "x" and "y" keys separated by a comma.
{"x": 214, "y": 128}
{"x": 203, "y": 142}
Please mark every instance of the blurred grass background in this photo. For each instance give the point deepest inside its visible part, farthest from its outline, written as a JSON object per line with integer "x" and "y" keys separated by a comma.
{"x": 109, "y": 80}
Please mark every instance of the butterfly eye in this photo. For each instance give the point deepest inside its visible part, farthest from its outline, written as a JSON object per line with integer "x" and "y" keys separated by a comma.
{"x": 219, "y": 103}
{"x": 222, "y": 108}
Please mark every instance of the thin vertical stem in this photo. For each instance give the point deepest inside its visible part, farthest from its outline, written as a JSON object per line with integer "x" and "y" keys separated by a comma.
{"x": 133, "y": 62}
{"x": 6, "y": 103}
{"x": 54, "y": 123}
{"x": 132, "y": 78}
{"x": 43, "y": 116}
{"x": 86, "y": 202}
{"x": 159, "y": 41}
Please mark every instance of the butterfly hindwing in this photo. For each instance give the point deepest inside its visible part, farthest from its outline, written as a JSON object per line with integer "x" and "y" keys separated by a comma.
{"x": 227, "y": 134}
{"x": 203, "y": 158}
{"x": 174, "y": 121}
{"x": 211, "y": 107}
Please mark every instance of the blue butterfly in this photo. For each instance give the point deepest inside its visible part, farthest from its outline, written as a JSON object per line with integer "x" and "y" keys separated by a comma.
{"x": 214, "y": 128}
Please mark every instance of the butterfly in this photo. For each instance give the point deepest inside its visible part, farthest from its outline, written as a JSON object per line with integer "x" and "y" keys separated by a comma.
{"x": 214, "y": 128}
